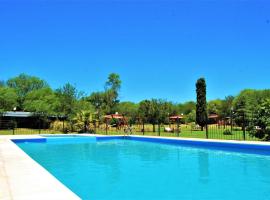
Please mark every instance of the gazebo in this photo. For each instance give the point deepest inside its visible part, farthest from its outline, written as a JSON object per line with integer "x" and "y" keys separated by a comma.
{"x": 114, "y": 116}
{"x": 213, "y": 118}
{"x": 117, "y": 116}
{"x": 177, "y": 118}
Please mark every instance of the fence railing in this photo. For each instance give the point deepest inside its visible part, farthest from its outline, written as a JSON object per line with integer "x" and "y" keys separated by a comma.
{"x": 227, "y": 131}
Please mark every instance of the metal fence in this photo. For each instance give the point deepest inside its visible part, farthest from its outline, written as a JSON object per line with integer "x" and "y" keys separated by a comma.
{"x": 225, "y": 129}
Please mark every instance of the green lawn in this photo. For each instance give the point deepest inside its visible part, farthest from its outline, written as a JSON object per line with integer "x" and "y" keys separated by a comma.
{"x": 187, "y": 132}
{"x": 26, "y": 131}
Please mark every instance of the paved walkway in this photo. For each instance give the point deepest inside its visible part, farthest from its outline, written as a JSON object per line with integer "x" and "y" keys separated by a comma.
{"x": 21, "y": 178}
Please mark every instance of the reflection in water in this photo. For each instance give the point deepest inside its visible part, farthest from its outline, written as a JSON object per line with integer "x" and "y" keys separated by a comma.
{"x": 203, "y": 164}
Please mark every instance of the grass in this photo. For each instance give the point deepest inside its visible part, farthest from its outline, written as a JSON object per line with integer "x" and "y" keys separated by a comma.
{"x": 215, "y": 132}
{"x": 27, "y": 131}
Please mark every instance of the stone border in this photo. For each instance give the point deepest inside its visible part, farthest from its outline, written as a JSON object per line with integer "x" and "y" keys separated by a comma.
{"x": 22, "y": 178}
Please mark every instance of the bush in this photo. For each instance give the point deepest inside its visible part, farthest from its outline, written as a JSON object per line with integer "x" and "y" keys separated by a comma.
{"x": 58, "y": 126}
{"x": 227, "y": 132}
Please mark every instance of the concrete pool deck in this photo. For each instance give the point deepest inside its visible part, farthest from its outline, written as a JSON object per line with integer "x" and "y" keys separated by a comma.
{"x": 23, "y": 178}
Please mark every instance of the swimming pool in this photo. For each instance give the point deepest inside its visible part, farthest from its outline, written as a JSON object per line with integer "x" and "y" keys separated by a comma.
{"x": 132, "y": 168}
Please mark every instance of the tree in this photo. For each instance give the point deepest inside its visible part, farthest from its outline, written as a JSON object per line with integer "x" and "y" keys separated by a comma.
{"x": 128, "y": 109}
{"x": 110, "y": 101}
{"x": 68, "y": 95}
{"x": 23, "y": 84}
{"x": 214, "y": 106}
{"x": 97, "y": 101}
{"x": 144, "y": 111}
{"x": 107, "y": 101}
{"x": 241, "y": 111}
{"x": 8, "y": 99}
{"x": 112, "y": 88}
{"x": 83, "y": 120}
{"x": 191, "y": 117}
{"x": 261, "y": 120}
{"x": 226, "y": 106}
{"x": 43, "y": 102}
{"x": 113, "y": 82}
{"x": 153, "y": 117}
{"x": 186, "y": 107}
{"x": 201, "y": 106}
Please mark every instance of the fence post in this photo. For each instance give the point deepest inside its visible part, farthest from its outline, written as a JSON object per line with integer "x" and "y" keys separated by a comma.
{"x": 231, "y": 119}
{"x": 106, "y": 127}
{"x": 158, "y": 129}
{"x": 206, "y": 131}
{"x": 39, "y": 124}
{"x": 63, "y": 126}
{"x": 143, "y": 127}
{"x": 13, "y": 126}
{"x": 244, "y": 127}
{"x": 95, "y": 127}
{"x": 178, "y": 130}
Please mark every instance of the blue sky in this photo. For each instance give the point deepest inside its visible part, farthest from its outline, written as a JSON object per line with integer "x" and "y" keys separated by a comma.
{"x": 159, "y": 48}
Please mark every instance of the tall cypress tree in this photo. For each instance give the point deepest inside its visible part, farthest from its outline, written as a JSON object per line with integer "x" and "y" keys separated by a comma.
{"x": 201, "y": 106}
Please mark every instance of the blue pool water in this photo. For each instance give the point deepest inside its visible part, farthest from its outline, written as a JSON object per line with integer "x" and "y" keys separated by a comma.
{"x": 127, "y": 169}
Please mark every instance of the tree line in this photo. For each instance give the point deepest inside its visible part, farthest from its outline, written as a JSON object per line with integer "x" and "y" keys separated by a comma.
{"x": 30, "y": 93}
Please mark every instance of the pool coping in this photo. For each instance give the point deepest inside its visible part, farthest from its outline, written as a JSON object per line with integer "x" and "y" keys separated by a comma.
{"x": 23, "y": 178}
{"x": 32, "y": 181}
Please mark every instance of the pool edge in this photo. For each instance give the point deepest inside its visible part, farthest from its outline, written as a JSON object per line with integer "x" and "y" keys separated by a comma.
{"x": 24, "y": 178}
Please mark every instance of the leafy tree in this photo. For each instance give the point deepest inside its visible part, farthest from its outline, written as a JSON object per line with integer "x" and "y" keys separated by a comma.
{"x": 112, "y": 88}
{"x": 153, "y": 117}
{"x": 43, "y": 102}
{"x": 8, "y": 99}
{"x": 261, "y": 119}
{"x": 68, "y": 95}
{"x": 166, "y": 109}
{"x": 107, "y": 101}
{"x": 23, "y": 84}
{"x": 226, "y": 106}
{"x": 113, "y": 82}
{"x": 97, "y": 101}
{"x": 186, "y": 107}
{"x": 214, "y": 106}
{"x": 144, "y": 110}
{"x": 201, "y": 106}
{"x": 83, "y": 120}
{"x": 252, "y": 99}
{"x": 128, "y": 109}
{"x": 247, "y": 103}
{"x": 241, "y": 111}
{"x": 110, "y": 101}
{"x": 191, "y": 117}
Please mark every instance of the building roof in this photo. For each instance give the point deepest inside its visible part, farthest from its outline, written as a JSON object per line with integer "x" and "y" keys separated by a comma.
{"x": 17, "y": 114}
{"x": 213, "y": 116}
{"x": 114, "y": 116}
{"x": 176, "y": 117}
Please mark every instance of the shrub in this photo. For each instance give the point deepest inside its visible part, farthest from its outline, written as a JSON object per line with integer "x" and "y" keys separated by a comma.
{"x": 58, "y": 126}
{"x": 227, "y": 132}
